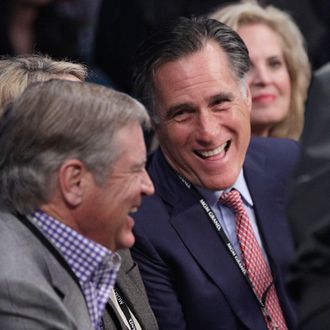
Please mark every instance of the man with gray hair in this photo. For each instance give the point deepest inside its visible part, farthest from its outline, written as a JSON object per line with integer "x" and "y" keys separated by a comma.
{"x": 71, "y": 172}
{"x": 213, "y": 244}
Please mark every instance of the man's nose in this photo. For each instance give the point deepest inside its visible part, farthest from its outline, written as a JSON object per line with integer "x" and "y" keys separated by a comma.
{"x": 147, "y": 185}
{"x": 206, "y": 127}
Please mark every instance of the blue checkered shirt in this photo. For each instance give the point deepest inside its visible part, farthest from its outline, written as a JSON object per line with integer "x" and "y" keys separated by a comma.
{"x": 94, "y": 265}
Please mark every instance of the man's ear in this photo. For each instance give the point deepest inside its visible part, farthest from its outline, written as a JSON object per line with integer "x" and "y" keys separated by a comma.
{"x": 249, "y": 98}
{"x": 156, "y": 129}
{"x": 72, "y": 181}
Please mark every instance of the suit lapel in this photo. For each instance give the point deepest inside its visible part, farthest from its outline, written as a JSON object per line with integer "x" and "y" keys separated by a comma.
{"x": 68, "y": 290}
{"x": 128, "y": 285}
{"x": 203, "y": 242}
{"x": 131, "y": 287}
{"x": 269, "y": 207}
{"x": 268, "y": 204}
{"x": 210, "y": 252}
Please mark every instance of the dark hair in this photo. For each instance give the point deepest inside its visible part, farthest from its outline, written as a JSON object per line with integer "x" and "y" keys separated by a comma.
{"x": 182, "y": 37}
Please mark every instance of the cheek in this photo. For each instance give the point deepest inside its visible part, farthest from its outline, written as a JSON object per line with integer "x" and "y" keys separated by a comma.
{"x": 243, "y": 128}
{"x": 124, "y": 195}
{"x": 284, "y": 83}
{"x": 130, "y": 190}
{"x": 250, "y": 79}
{"x": 286, "y": 93}
{"x": 241, "y": 117}
{"x": 173, "y": 137}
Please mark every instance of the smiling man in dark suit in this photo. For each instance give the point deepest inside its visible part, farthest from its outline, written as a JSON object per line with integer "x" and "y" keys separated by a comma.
{"x": 213, "y": 244}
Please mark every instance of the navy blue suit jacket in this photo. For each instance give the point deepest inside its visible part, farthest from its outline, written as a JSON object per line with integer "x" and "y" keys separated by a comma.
{"x": 191, "y": 279}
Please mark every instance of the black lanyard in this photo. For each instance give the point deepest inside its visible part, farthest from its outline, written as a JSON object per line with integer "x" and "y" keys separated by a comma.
{"x": 35, "y": 230}
{"x": 124, "y": 308}
{"x": 216, "y": 223}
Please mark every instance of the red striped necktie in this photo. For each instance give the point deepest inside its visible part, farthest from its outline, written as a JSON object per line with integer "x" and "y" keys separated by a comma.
{"x": 257, "y": 268}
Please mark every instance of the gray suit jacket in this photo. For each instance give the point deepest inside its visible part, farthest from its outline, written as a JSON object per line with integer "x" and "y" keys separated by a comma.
{"x": 132, "y": 289}
{"x": 37, "y": 288}
{"x": 39, "y": 291}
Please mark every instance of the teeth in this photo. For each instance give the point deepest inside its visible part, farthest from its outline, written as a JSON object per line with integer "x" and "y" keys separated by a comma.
{"x": 214, "y": 152}
{"x": 133, "y": 209}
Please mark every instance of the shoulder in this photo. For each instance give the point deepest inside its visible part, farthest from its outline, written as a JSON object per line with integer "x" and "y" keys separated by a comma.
{"x": 277, "y": 151}
{"x": 153, "y": 208}
{"x": 34, "y": 279}
{"x": 15, "y": 236}
{"x": 278, "y": 145}
{"x": 28, "y": 257}
{"x": 323, "y": 73}
{"x": 271, "y": 161}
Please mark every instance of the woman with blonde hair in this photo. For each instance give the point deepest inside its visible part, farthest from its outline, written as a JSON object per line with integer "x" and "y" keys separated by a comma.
{"x": 280, "y": 69}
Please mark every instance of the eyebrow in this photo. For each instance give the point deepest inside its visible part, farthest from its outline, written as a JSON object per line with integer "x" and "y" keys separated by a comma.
{"x": 221, "y": 97}
{"x": 178, "y": 107}
{"x": 141, "y": 164}
{"x": 275, "y": 56}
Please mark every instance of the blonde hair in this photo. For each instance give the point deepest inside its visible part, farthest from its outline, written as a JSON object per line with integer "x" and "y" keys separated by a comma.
{"x": 16, "y": 73}
{"x": 294, "y": 52}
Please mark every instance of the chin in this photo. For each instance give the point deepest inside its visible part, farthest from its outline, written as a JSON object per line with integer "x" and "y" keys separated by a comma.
{"x": 220, "y": 183}
{"x": 126, "y": 242}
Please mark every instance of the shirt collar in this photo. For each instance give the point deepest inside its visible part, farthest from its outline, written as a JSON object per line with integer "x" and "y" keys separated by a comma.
{"x": 84, "y": 256}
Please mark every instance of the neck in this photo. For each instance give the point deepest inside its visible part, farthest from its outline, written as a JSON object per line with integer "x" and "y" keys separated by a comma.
{"x": 263, "y": 131}
{"x": 59, "y": 214}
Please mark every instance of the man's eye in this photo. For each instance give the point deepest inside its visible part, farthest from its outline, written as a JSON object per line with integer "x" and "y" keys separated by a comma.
{"x": 221, "y": 108}
{"x": 220, "y": 105}
{"x": 182, "y": 115}
{"x": 138, "y": 169}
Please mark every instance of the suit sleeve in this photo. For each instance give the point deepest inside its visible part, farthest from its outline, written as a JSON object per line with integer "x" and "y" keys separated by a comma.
{"x": 25, "y": 305}
{"x": 159, "y": 280}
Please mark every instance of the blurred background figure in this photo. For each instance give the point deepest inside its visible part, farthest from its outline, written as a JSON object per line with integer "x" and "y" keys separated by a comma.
{"x": 309, "y": 211}
{"x": 280, "y": 69}
{"x": 124, "y": 24}
{"x": 313, "y": 19}
{"x": 62, "y": 29}
{"x": 45, "y": 26}
{"x": 16, "y": 73}
{"x": 104, "y": 34}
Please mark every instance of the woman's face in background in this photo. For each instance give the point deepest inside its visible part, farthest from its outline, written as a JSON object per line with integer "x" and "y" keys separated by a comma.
{"x": 269, "y": 78}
